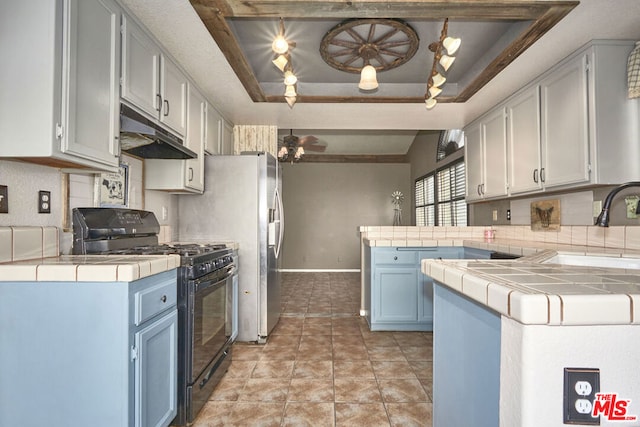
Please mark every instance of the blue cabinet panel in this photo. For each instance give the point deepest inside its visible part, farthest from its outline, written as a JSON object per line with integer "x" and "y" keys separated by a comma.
{"x": 466, "y": 362}
{"x": 396, "y": 296}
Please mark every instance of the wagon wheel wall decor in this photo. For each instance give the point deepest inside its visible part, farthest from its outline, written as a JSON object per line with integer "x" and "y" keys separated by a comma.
{"x": 382, "y": 43}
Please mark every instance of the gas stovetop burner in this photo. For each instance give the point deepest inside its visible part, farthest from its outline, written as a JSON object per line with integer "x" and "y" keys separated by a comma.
{"x": 182, "y": 249}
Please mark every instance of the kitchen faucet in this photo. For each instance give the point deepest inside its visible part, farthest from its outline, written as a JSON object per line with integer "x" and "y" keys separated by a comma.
{"x": 603, "y": 218}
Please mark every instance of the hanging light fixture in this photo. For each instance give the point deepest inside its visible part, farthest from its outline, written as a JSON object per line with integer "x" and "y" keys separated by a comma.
{"x": 280, "y": 44}
{"x": 290, "y": 91}
{"x": 446, "y": 61}
{"x": 282, "y": 48}
{"x": 291, "y": 100}
{"x": 451, "y": 44}
{"x": 437, "y": 79}
{"x": 280, "y": 62}
{"x": 289, "y": 78}
{"x": 368, "y": 79}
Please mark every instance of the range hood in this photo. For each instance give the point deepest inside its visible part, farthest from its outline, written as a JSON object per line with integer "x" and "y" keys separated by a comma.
{"x": 144, "y": 138}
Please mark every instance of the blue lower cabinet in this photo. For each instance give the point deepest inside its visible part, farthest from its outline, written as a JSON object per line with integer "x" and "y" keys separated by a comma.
{"x": 99, "y": 354}
{"x": 398, "y": 297}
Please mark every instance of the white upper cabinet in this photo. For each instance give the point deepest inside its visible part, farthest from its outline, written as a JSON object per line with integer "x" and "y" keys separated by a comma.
{"x": 151, "y": 82}
{"x": 564, "y": 120}
{"x": 523, "y": 124}
{"x": 183, "y": 176}
{"x": 194, "y": 177}
{"x": 60, "y": 91}
{"x": 227, "y": 138}
{"x": 572, "y": 127}
{"x": 485, "y": 155}
{"x": 213, "y": 131}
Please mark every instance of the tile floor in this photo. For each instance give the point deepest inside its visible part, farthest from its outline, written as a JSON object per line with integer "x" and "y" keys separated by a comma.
{"x": 323, "y": 367}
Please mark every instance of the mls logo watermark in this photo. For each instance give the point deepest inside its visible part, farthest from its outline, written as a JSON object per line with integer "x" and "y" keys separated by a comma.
{"x": 611, "y": 408}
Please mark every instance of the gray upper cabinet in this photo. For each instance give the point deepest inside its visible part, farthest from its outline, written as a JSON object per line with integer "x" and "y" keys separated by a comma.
{"x": 151, "y": 82}
{"x": 60, "y": 91}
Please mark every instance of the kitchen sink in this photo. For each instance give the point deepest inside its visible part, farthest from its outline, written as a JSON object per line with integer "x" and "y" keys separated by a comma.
{"x": 594, "y": 261}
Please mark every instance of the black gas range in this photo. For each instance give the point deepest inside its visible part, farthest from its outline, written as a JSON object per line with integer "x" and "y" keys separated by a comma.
{"x": 207, "y": 294}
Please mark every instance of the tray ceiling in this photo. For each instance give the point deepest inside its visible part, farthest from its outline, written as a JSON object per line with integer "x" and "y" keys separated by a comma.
{"x": 493, "y": 35}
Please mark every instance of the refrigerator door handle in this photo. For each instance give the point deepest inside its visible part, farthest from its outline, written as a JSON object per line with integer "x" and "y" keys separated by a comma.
{"x": 280, "y": 217}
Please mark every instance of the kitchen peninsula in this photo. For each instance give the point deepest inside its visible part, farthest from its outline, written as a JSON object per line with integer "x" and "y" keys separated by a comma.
{"x": 505, "y": 330}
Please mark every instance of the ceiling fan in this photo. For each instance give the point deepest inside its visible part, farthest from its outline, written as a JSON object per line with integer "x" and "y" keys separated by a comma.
{"x": 292, "y": 148}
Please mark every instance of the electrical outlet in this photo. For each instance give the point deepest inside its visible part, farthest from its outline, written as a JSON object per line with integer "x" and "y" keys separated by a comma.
{"x": 495, "y": 214}
{"x": 508, "y": 214}
{"x": 4, "y": 199}
{"x": 44, "y": 202}
{"x": 580, "y": 388}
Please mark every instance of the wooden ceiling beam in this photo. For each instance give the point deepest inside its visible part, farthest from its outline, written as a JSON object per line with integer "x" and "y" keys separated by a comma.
{"x": 536, "y": 30}
{"x": 213, "y": 14}
{"x": 354, "y": 158}
{"x": 420, "y": 9}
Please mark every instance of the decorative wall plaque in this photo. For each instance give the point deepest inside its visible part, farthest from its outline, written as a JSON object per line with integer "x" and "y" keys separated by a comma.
{"x": 545, "y": 215}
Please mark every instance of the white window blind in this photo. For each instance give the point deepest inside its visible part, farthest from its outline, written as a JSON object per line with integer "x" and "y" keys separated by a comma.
{"x": 439, "y": 197}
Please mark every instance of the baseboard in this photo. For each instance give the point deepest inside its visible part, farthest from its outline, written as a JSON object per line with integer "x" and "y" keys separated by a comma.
{"x": 319, "y": 270}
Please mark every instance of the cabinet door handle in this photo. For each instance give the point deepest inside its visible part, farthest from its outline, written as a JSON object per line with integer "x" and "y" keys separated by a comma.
{"x": 166, "y": 107}
{"x": 158, "y": 102}
{"x": 535, "y": 176}
{"x": 395, "y": 258}
{"x": 542, "y": 178}
{"x": 190, "y": 174}
{"x": 164, "y": 298}
{"x": 479, "y": 193}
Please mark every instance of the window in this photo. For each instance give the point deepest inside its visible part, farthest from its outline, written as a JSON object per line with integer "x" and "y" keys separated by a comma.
{"x": 440, "y": 195}
{"x": 449, "y": 142}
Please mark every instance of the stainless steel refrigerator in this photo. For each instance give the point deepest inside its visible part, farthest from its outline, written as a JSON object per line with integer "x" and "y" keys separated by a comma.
{"x": 242, "y": 203}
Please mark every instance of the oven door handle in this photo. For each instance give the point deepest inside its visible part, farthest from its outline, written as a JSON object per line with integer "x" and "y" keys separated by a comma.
{"x": 215, "y": 282}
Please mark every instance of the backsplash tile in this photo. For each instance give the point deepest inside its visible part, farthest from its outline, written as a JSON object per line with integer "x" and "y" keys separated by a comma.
{"x": 5, "y": 244}
{"x": 615, "y": 237}
{"x": 27, "y": 243}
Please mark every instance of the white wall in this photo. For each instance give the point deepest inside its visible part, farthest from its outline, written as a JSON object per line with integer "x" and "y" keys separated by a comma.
{"x": 533, "y": 358}
{"x": 24, "y": 180}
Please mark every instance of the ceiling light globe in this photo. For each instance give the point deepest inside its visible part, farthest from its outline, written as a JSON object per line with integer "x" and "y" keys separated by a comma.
{"x": 280, "y": 62}
{"x": 291, "y": 100}
{"x": 280, "y": 45}
{"x": 451, "y": 44}
{"x": 290, "y": 91}
{"x": 289, "y": 78}
{"x": 438, "y": 80}
{"x": 430, "y": 103}
{"x": 368, "y": 79}
{"x": 434, "y": 91}
{"x": 446, "y": 61}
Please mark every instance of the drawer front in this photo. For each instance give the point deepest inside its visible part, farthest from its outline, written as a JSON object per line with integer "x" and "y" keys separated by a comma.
{"x": 395, "y": 257}
{"x": 154, "y": 299}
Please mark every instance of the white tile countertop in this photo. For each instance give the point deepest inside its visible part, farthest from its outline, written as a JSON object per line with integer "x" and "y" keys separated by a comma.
{"x": 537, "y": 293}
{"x": 87, "y": 268}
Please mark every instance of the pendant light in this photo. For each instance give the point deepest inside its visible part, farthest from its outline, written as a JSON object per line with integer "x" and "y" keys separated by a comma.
{"x": 368, "y": 79}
